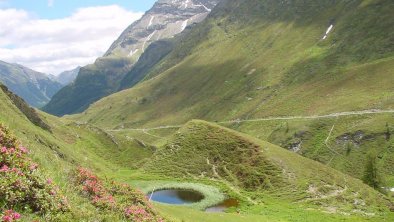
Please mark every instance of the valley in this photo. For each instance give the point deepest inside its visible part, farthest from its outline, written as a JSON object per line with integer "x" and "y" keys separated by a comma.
{"x": 210, "y": 111}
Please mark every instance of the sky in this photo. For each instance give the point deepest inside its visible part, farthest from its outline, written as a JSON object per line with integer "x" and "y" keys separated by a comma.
{"x": 52, "y": 36}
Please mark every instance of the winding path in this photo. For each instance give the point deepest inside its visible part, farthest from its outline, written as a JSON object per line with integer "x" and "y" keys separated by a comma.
{"x": 332, "y": 115}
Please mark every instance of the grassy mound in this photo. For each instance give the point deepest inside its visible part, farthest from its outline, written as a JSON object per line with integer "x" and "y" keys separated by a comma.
{"x": 202, "y": 150}
{"x": 217, "y": 154}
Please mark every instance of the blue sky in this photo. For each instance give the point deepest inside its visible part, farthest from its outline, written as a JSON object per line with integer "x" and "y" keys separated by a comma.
{"x": 50, "y": 9}
{"x": 52, "y": 36}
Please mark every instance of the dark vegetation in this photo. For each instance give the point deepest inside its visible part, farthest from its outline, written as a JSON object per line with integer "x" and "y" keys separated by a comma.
{"x": 29, "y": 112}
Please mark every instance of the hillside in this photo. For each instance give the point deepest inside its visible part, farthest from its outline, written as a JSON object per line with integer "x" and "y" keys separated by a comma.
{"x": 57, "y": 153}
{"x": 34, "y": 87}
{"x": 164, "y": 20}
{"x": 202, "y": 150}
{"x": 61, "y": 151}
{"x": 256, "y": 59}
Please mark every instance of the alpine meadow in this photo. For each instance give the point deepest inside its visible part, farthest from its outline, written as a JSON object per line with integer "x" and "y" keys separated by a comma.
{"x": 203, "y": 111}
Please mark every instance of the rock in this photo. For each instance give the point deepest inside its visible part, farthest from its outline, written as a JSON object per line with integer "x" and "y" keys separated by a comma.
{"x": 164, "y": 20}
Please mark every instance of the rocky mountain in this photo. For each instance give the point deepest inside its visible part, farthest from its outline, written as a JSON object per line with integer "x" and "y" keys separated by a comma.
{"x": 67, "y": 77}
{"x": 34, "y": 87}
{"x": 164, "y": 20}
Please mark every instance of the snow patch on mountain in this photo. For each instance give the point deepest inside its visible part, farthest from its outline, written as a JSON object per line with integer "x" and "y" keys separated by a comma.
{"x": 184, "y": 24}
{"x": 148, "y": 38}
{"x": 328, "y": 31}
{"x": 151, "y": 20}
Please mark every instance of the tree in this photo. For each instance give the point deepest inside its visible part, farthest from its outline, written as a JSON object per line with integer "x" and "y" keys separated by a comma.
{"x": 371, "y": 173}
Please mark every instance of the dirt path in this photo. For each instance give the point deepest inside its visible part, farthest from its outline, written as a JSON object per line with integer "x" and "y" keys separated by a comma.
{"x": 332, "y": 115}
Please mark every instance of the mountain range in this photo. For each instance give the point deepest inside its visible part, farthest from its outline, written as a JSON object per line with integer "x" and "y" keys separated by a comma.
{"x": 67, "y": 77}
{"x": 34, "y": 87}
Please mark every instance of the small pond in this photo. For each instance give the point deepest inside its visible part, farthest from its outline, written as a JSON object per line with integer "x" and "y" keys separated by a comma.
{"x": 223, "y": 206}
{"x": 176, "y": 197}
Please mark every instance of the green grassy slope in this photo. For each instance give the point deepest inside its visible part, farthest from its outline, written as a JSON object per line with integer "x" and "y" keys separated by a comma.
{"x": 266, "y": 58}
{"x": 345, "y": 148}
{"x": 205, "y": 151}
{"x": 65, "y": 146}
{"x": 254, "y": 59}
{"x": 118, "y": 157}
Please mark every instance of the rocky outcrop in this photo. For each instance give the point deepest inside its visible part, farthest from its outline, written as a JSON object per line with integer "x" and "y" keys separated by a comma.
{"x": 166, "y": 19}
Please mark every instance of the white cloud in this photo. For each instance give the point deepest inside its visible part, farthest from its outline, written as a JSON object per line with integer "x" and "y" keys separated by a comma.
{"x": 52, "y": 46}
{"x": 50, "y": 3}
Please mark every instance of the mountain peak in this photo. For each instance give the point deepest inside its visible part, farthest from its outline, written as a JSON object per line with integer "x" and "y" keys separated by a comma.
{"x": 164, "y": 20}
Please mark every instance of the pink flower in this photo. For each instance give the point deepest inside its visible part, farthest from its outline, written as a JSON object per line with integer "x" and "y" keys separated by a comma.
{"x": 33, "y": 166}
{"x": 49, "y": 181}
{"x": 3, "y": 149}
{"x": 7, "y": 218}
{"x": 10, "y": 216}
{"x": 4, "y": 168}
{"x": 23, "y": 149}
{"x": 16, "y": 216}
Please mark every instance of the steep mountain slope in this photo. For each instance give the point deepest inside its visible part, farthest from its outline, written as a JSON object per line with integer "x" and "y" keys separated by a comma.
{"x": 67, "y": 77}
{"x": 254, "y": 59}
{"x": 154, "y": 53}
{"x": 166, "y": 19}
{"x": 34, "y": 87}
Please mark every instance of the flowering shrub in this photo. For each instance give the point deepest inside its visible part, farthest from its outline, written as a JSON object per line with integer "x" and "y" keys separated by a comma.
{"x": 10, "y": 216}
{"x": 121, "y": 198}
{"x": 21, "y": 184}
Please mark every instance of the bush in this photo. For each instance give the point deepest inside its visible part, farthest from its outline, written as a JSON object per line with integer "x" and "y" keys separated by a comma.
{"x": 371, "y": 172}
{"x": 116, "y": 197}
{"x": 22, "y": 185}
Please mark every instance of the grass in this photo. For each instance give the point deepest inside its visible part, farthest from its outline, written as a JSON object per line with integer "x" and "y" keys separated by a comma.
{"x": 239, "y": 59}
{"x": 72, "y": 144}
{"x": 299, "y": 179}
{"x": 313, "y": 133}
{"x": 245, "y": 70}
{"x": 59, "y": 151}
